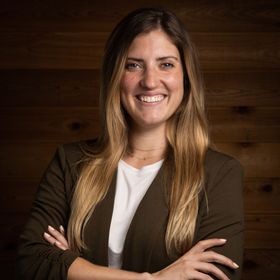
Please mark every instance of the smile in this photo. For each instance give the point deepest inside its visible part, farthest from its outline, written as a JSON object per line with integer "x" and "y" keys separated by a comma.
{"x": 150, "y": 99}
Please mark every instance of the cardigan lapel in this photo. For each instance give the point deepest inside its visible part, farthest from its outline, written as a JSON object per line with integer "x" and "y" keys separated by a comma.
{"x": 144, "y": 248}
{"x": 96, "y": 233}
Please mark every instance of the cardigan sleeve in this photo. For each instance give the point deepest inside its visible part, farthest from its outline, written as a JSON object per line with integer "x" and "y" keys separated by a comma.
{"x": 36, "y": 258}
{"x": 222, "y": 212}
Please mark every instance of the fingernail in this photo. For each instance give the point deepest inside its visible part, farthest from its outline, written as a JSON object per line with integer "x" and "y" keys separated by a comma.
{"x": 235, "y": 265}
{"x": 46, "y": 234}
{"x": 50, "y": 228}
{"x": 223, "y": 240}
{"x": 61, "y": 228}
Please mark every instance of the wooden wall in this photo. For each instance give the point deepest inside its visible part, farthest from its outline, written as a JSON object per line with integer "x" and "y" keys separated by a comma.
{"x": 50, "y": 55}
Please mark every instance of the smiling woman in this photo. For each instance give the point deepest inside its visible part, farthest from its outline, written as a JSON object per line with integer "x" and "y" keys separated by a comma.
{"x": 152, "y": 86}
{"x": 148, "y": 199}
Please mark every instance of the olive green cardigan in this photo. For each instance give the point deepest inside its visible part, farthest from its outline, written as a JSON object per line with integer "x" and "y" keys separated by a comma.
{"x": 144, "y": 248}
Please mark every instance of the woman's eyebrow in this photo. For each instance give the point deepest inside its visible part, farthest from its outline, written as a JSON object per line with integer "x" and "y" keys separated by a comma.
{"x": 158, "y": 59}
{"x": 168, "y": 57}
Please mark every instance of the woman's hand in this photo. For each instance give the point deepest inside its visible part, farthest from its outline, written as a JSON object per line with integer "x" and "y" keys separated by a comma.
{"x": 197, "y": 263}
{"x": 56, "y": 238}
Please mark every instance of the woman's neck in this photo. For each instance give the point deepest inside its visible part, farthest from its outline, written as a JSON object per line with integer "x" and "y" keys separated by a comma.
{"x": 145, "y": 147}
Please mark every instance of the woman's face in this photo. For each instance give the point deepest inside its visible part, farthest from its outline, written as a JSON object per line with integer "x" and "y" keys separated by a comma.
{"x": 152, "y": 84}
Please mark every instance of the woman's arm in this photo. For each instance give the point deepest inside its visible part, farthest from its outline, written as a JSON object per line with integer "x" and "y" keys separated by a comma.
{"x": 197, "y": 263}
{"x": 221, "y": 213}
{"x": 36, "y": 258}
{"x": 81, "y": 269}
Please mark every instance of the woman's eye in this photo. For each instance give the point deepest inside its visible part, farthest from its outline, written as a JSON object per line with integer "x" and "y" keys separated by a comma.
{"x": 132, "y": 66}
{"x": 167, "y": 65}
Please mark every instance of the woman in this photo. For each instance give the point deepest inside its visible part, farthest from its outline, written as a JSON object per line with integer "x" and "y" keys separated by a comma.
{"x": 148, "y": 199}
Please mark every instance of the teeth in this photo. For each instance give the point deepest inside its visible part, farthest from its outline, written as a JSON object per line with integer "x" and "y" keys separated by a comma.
{"x": 151, "y": 99}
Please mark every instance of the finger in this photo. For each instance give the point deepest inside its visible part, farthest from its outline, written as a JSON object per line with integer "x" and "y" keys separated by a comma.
{"x": 60, "y": 245}
{"x": 211, "y": 256}
{"x": 210, "y": 268}
{"x": 54, "y": 242}
{"x": 206, "y": 244}
{"x": 57, "y": 235}
{"x": 49, "y": 238}
{"x": 61, "y": 229}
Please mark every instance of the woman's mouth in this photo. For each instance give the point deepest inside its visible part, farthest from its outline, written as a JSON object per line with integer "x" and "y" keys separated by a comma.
{"x": 150, "y": 99}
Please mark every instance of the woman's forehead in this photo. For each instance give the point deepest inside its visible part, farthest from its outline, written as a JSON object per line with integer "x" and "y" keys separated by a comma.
{"x": 155, "y": 42}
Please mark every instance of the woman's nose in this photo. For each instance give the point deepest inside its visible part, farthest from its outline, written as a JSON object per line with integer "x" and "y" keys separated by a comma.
{"x": 149, "y": 79}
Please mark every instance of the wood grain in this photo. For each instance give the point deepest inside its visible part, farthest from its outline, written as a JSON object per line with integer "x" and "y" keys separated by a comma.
{"x": 244, "y": 124}
{"x": 262, "y": 231}
{"x": 242, "y": 88}
{"x": 261, "y": 264}
{"x": 258, "y": 159}
{"x": 84, "y": 50}
{"x": 49, "y": 88}
{"x": 50, "y": 124}
{"x": 199, "y": 15}
{"x": 25, "y": 160}
{"x": 261, "y": 195}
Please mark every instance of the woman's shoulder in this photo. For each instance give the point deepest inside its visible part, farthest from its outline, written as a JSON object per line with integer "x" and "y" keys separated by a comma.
{"x": 74, "y": 152}
{"x": 217, "y": 162}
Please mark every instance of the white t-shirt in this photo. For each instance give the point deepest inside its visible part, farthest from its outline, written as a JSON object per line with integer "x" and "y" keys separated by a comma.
{"x": 131, "y": 186}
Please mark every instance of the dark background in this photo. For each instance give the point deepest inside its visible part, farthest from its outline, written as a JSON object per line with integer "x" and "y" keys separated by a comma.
{"x": 50, "y": 56}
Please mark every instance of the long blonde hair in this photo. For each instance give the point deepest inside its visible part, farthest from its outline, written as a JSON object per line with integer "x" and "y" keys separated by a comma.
{"x": 187, "y": 133}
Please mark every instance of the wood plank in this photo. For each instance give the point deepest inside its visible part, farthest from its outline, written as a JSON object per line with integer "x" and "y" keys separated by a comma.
{"x": 260, "y": 160}
{"x": 262, "y": 231}
{"x": 12, "y": 226}
{"x": 17, "y": 196}
{"x": 28, "y": 160}
{"x": 244, "y": 124}
{"x": 50, "y": 124}
{"x": 242, "y": 88}
{"x": 81, "y": 88}
{"x": 64, "y": 124}
{"x": 241, "y": 51}
{"x": 199, "y": 15}
{"x": 55, "y": 50}
{"x": 261, "y": 264}
{"x": 49, "y": 87}
{"x": 261, "y": 195}
{"x": 84, "y": 50}
{"x": 8, "y": 267}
